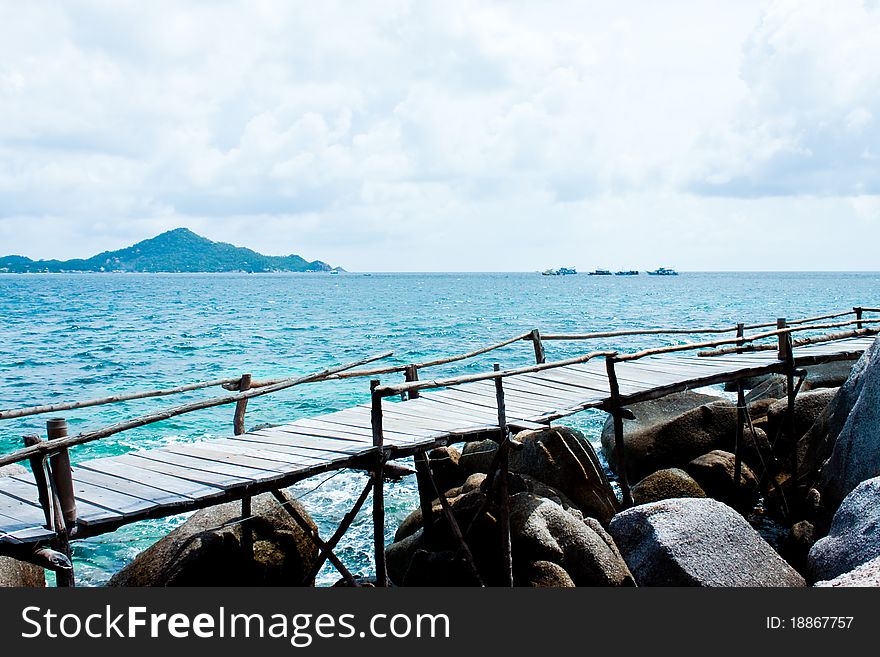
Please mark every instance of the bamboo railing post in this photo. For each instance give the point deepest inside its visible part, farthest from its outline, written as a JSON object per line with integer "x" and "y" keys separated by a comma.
{"x": 858, "y": 311}
{"x": 539, "y": 346}
{"x": 38, "y": 466}
{"x": 781, "y": 351}
{"x": 617, "y": 416}
{"x": 378, "y": 488}
{"x": 504, "y": 501}
{"x": 740, "y": 333}
{"x": 738, "y": 445}
{"x": 426, "y": 499}
{"x": 241, "y": 405}
{"x": 62, "y": 477}
{"x": 789, "y": 410}
{"x": 411, "y": 373}
{"x": 61, "y": 484}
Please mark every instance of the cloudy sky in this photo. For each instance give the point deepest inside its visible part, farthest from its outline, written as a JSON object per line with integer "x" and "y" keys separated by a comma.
{"x": 415, "y": 135}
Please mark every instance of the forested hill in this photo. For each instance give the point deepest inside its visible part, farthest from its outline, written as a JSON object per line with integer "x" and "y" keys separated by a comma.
{"x": 179, "y": 250}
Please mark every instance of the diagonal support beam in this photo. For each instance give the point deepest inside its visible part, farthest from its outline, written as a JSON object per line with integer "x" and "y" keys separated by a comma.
{"x": 347, "y": 519}
{"x": 313, "y": 534}
{"x": 453, "y": 525}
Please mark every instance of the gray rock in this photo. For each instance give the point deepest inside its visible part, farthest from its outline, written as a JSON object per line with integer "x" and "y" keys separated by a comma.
{"x": 774, "y": 386}
{"x": 815, "y": 447}
{"x": 674, "y": 442}
{"x": 664, "y": 485}
{"x": 12, "y": 469}
{"x": 697, "y": 542}
{"x": 652, "y": 413}
{"x": 796, "y": 546}
{"x": 855, "y": 455}
{"x": 20, "y": 574}
{"x": 828, "y": 375}
{"x": 714, "y": 472}
{"x": 748, "y": 382}
{"x": 854, "y": 538}
{"x": 542, "y": 530}
{"x": 823, "y": 375}
{"x": 868, "y": 574}
{"x": 808, "y": 406}
{"x": 209, "y": 549}
{"x": 399, "y": 555}
{"x": 445, "y": 467}
{"x": 543, "y": 574}
{"x": 516, "y": 483}
{"x": 559, "y": 457}
{"x": 477, "y": 456}
{"x": 564, "y": 460}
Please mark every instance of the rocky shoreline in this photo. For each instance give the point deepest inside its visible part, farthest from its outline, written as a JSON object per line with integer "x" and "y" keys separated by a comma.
{"x": 690, "y": 524}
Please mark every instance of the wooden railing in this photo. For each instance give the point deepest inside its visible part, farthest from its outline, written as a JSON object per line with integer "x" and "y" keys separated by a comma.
{"x": 51, "y": 465}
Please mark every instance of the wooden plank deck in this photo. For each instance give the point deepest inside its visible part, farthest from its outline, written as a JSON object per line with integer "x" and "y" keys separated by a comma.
{"x": 114, "y": 491}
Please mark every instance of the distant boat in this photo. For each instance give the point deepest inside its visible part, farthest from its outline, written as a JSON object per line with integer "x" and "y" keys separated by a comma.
{"x": 627, "y": 272}
{"x": 663, "y": 271}
{"x": 562, "y": 271}
{"x": 600, "y": 272}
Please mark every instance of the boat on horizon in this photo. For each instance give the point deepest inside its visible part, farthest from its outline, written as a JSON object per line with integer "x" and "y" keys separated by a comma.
{"x": 562, "y": 271}
{"x": 600, "y": 272}
{"x": 663, "y": 271}
{"x": 627, "y": 272}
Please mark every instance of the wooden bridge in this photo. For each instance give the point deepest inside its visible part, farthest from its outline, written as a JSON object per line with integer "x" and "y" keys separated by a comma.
{"x": 45, "y": 508}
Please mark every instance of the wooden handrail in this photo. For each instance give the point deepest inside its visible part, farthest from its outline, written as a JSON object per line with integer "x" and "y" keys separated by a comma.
{"x": 804, "y": 320}
{"x": 738, "y": 340}
{"x": 232, "y": 383}
{"x": 701, "y": 345}
{"x": 831, "y": 337}
{"x": 69, "y": 406}
{"x": 387, "y": 391}
{"x": 614, "y": 334}
{"x": 48, "y": 446}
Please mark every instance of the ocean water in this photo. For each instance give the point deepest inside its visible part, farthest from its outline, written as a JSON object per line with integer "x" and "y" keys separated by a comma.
{"x": 71, "y": 337}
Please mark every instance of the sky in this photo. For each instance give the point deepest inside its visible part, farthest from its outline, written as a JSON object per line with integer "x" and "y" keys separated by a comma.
{"x": 448, "y": 136}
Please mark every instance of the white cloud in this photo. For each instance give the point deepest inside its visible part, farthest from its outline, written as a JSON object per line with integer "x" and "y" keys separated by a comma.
{"x": 429, "y": 135}
{"x": 806, "y": 125}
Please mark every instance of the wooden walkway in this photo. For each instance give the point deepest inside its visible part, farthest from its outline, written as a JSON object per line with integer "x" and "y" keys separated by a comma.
{"x": 114, "y": 491}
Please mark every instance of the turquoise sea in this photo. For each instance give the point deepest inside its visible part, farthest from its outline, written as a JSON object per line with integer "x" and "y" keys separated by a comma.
{"x": 69, "y": 337}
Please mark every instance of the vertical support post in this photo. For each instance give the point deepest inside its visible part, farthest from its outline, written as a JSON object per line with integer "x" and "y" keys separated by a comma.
{"x": 785, "y": 354}
{"x": 38, "y": 465}
{"x": 62, "y": 477}
{"x": 504, "y": 502}
{"x": 61, "y": 480}
{"x": 789, "y": 410}
{"x": 619, "y": 447}
{"x": 247, "y": 536}
{"x": 738, "y": 445}
{"x": 241, "y": 406}
{"x": 411, "y": 373}
{"x": 539, "y": 347}
{"x": 858, "y": 311}
{"x": 426, "y": 499}
{"x": 378, "y": 488}
{"x": 781, "y": 354}
{"x": 740, "y": 333}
